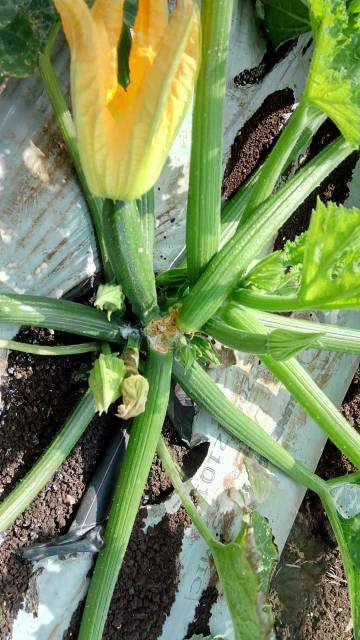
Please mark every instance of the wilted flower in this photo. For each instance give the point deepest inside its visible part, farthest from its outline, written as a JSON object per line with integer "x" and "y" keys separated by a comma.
{"x": 134, "y": 391}
{"x": 124, "y": 136}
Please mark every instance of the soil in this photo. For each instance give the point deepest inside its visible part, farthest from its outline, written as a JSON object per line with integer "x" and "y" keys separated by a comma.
{"x": 256, "y": 139}
{"x": 38, "y": 393}
{"x": 309, "y": 593}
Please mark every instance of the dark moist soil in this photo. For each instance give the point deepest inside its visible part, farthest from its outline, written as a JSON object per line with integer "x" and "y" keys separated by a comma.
{"x": 37, "y": 395}
{"x": 309, "y": 594}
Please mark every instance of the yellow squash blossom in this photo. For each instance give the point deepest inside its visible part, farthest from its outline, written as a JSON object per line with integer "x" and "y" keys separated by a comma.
{"x": 124, "y": 136}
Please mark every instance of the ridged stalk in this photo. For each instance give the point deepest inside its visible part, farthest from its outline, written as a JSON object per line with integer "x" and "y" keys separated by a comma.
{"x": 63, "y": 315}
{"x": 43, "y": 470}
{"x": 305, "y": 390}
{"x": 129, "y": 258}
{"x": 241, "y": 340}
{"x": 199, "y": 386}
{"x": 334, "y": 338}
{"x": 274, "y": 302}
{"x": 225, "y": 269}
{"x": 305, "y": 120}
{"x": 244, "y": 341}
{"x": 144, "y": 436}
{"x": 204, "y": 199}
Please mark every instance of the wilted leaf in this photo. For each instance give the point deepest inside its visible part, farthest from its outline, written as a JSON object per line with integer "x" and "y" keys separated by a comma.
{"x": 105, "y": 380}
{"x": 286, "y": 19}
{"x": 331, "y": 269}
{"x": 110, "y": 298}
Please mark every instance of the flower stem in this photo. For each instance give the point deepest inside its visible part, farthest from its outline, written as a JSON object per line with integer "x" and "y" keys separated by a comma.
{"x": 225, "y": 269}
{"x": 67, "y": 128}
{"x": 72, "y": 317}
{"x": 204, "y": 200}
{"x": 28, "y": 488}
{"x": 300, "y": 384}
{"x": 130, "y": 262}
{"x": 145, "y": 433}
{"x": 204, "y": 392}
{"x": 44, "y": 350}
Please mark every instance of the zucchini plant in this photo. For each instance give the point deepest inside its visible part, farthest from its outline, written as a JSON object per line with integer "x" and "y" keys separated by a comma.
{"x": 134, "y": 66}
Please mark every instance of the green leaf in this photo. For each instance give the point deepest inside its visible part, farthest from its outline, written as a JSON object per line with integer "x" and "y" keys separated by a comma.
{"x": 267, "y": 274}
{"x": 244, "y": 567}
{"x": 286, "y": 19}
{"x": 105, "y": 380}
{"x": 283, "y": 344}
{"x": 331, "y": 269}
{"x": 279, "y": 271}
{"x": 187, "y": 355}
{"x": 266, "y": 549}
{"x": 24, "y": 25}
{"x": 333, "y": 83}
{"x": 110, "y": 298}
{"x": 347, "y": 533}
{"x": 204, "y": 350}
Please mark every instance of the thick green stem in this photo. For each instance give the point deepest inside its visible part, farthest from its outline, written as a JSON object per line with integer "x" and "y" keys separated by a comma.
{"x": 226, "y": 268}
{"x": 296, "y": 379}
{"x": 245, "y": 341}
{"x": 332, "y": 337}
{"x": 43, "y": 350}
{"x": 173, "y": 474}
{"x": 29, "y": 487}
{"x": 146, "y": 208}
{"x": 145, "y": 433}
{"x": 199, "y": 386}
{"x": 67, "y": 128}
{"x": 232, "y": 212}
{"x": 305, "y": 119}
{"x": 274, "y": 302}
{"x": 204, "y": 200}
{"x": 63, "y": 315}
{"x": 129, "y": 259}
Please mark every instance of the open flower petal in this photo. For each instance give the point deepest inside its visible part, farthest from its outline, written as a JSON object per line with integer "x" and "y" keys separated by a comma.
{"x": 124, "y": 136}
{"x": 110, "y": 14}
